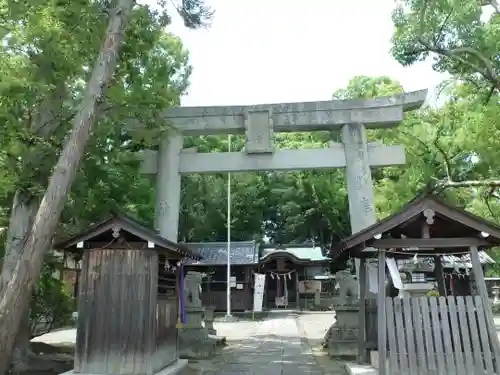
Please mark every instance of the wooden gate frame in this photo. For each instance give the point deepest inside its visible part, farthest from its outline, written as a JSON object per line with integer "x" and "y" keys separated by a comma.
{"x": 426, "y": 226}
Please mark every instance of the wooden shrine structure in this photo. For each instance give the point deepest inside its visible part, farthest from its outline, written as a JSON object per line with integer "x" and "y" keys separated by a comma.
{"x": 445, "y": 335}
{"x": 457, "y": 270}
{"x": 128, "y": 298}
{"x": 293, "y": 274}
{"x": 244, "y": 260}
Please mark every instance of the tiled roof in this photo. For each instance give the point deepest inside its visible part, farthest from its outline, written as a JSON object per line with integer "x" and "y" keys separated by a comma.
{"x": 312, "y": 254}
{"x": 215, "y": 253}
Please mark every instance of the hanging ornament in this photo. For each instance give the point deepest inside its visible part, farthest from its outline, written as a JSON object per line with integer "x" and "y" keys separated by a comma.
{"x": 181, "y": 319}
{"x": 415, "y": 259}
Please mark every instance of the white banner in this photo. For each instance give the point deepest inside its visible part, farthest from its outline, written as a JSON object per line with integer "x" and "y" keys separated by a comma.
{"x": 372, "y": 271}
{"x": 258, "y": 291}
{"x": 394, "y": 272}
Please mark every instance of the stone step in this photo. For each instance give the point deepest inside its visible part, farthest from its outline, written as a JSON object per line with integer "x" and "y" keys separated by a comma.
{"x": 357, "y": 369}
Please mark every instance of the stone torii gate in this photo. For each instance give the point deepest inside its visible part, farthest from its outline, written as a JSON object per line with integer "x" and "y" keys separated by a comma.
{"x": 258, "y": 123}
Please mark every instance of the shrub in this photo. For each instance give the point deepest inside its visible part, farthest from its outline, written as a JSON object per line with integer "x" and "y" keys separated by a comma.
{"x": 51, "y": 305}
{"x": 432, "y": 293}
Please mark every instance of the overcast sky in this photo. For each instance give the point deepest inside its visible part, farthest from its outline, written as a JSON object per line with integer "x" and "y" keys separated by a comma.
{"x": 265, "y": 51}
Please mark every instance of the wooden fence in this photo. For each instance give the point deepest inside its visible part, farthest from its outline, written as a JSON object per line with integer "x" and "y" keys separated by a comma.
{"x": 440, "y": 336}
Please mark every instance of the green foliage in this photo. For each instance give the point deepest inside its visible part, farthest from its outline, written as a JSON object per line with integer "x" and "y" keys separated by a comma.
{"x": 432, "y": 293}
{"x": 45, "y": 60}
{"x": 51, "y": 306}
{"x": 455, "y": 147}
{"x": 459, "y": 35}
{"x": 290, "y": 207}
{"x": 364, "y": 87}
{"x": 47, "y": 52}
{"x": 46, "y": 55}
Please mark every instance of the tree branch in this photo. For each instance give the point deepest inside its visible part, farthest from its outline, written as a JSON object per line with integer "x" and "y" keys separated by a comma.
{"x": 487, "y": 70}
{"x": 468, "y": 184}
{"x": 494, "y": 3}
{"x": 487, "y": 197}
{"x": 418, "y": 140}
{"x": 446, "y": 159}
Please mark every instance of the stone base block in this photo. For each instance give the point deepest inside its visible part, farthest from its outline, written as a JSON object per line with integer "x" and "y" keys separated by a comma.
{"x": 343, "y": 342}
{"x": 203, "y": 350}
{"x": 229, "y": 319}
{"x": 374, "y": 360}
{"x": 194, "y": 317}
{"x": 173, "y": 369}
{"x": 343, "y": 349}
{"x": 194, "y": 343}
{"x": 357, "y": 369}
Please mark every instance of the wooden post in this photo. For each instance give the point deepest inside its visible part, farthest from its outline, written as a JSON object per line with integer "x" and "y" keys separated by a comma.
{"x": 483, "y": 292}
{"x": 362, "y": 354}
{"x": 381, "y": 318}
{"x": 297, "y": 288}
{"x": 438, "y": 272}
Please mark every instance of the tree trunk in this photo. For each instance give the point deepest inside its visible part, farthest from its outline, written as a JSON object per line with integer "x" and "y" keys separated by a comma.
{"x": 21, "y": 354}
{"x": 27, "y": 270}
{"x": 25, "y": 205}
{"x": 21, "y": 218}
{"x": 23, "y": 212}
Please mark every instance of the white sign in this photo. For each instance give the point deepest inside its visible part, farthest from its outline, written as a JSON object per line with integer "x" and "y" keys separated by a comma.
{"x": 258, "y": 293}
{"x": 239, "y": 286}
{"x": 372, "y": 271}
{"x": 232, "y": 281}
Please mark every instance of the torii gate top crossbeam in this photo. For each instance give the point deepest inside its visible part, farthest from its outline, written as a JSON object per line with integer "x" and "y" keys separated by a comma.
{"x": 293, "y": 117}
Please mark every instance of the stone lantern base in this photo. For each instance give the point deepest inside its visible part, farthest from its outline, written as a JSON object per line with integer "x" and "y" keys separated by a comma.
{"x": 342, "y": 337}
{"x": 209, "y": 320}
{"x": 193, "y": 337}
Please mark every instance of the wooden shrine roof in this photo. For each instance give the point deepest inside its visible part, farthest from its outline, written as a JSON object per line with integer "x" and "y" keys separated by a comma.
{"x": 451, "y": 229}
{"x": 103, "y": 232}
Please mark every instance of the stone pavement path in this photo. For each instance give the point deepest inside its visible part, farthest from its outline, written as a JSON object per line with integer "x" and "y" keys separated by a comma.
{"x": 277, "y": 345}
{"x": 274, "y": 349}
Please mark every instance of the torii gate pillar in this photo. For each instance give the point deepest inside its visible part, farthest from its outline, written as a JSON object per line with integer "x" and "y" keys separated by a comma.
{"x": 359, "y": 177}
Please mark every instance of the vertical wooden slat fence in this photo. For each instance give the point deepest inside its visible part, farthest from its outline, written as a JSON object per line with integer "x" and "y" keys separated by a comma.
{"x": 439, "y": 336}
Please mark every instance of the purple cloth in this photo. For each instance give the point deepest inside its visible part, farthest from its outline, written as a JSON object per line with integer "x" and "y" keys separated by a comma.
{"x": 181, "y": 295}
